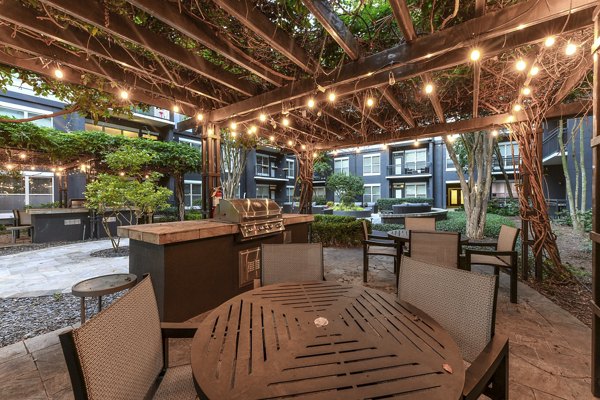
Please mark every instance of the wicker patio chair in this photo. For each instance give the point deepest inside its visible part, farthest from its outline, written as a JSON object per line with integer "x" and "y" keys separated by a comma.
{"x": 294, "y": 262}
{"x": 123, "y": 351}
{"x": 503, "y": 256}
{"x": 374, "y": 245}
{"x": 464, "y": 304}
{"x": 439, "y": 248}
{"x": 419, "y": 224}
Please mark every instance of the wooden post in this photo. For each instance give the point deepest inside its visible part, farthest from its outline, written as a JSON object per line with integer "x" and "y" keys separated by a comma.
{"x": 595, "y": 142}
{"x": 525, "y": 226}
{"x": 539, "y": 134}
{"x": 211, "y": 165}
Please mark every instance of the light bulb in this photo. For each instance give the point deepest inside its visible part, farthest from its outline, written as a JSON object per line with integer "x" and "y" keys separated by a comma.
{"x": 534, "y": 70}
{"x": 58, "y": 74}
{"x": 200, "y": 117}
{"x": 416, "y": 142}
{"x": 511, "y": 118}
{"x": 570, "y": 49}
{"x": 271, "y": 138}
{"x": 494, "y": 133}
{"x": 253, "y": 129}
{"x": 517, "y": 107}
{"x": 450, "y": 138}
{"x": 370, "y": 102}
{"x": 526, "y": 91}
{"x": 429, "y": 88}
{"x": 22, "y": 156}
{"x": 9, "y": 166}
{"x": 124, "y": 95}
{"x": 290, "y": 143}
{"x": 549, "y": 42}
{"x": 357, "y": 150}
{"x": 310, "y": 103}
{"x": 521, "y": 65}
{"x": 303, "y": 147}
{"x": 121, "y": 173}
{"x": 475, "y": 55}
{"x": 262, "y": 117}
{"x": 233, "y": 125}
{"x": 285, "y": 122}
{"x": 331, "y": 97}
{"x": 233, "y": 134}
{"x": 176, "y": 108}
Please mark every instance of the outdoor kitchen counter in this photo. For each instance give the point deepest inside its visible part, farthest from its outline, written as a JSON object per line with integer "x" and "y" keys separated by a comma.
{"x": 197, "y": 265}
{"x": 182, "y": 231}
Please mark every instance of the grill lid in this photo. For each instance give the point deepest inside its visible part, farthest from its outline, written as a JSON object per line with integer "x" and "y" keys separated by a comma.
{"x": 240, "y": 210}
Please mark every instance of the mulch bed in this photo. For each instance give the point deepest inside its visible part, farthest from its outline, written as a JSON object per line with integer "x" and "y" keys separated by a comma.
{"x": 573, "y": 297}
{"x": 121, "y": 252}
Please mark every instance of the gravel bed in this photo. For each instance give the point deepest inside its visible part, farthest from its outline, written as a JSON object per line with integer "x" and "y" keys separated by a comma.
{"x": 26, "y": 317}
{"x": 107, "y": 253}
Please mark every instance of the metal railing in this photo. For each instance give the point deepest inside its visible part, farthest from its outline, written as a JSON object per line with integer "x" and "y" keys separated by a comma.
{"x": 508, "y": 162}
{"x": 420, "y": 167}
{"x": 268, "y": 172}
{"x": 550, "y": 143}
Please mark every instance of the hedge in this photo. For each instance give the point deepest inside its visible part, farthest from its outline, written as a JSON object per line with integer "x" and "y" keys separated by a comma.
{"x": 337, "y": 230}
{"x": 457, "y": 222}
{"x": 386, "y": 204}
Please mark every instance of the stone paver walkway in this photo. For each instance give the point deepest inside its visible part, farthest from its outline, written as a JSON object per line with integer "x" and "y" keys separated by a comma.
{"x": 56, "y": 269}
{"x": 549, "y": 348}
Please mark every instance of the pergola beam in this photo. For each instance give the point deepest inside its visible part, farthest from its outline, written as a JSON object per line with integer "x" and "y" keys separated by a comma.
{"x": 470, "y": 125}
{"x": 403, "y": 111}
{"x": 246, "y": 13}
{"x": 13, "y": 12}
{"x": 336, "y": 28}
{"x": 489, "y": 32}
{"x": 93, "y": 13}
{"x": 415, "y": 61}
{"x": 367, "y": 113}
{"x": 168, "y": 13}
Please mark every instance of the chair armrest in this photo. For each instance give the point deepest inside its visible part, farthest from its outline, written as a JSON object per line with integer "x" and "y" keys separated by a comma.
{"x": 178, "y": 329}
{"x": 484, "y": 366}
{"x": 383, "y": 243}
{"x": 374, "y": 236}
{"x": 490, "y": 243}
{"x": 491, "y": 252}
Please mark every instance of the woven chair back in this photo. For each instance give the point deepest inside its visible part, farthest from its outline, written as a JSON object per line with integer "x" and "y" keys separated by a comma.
{"x": 365, "y": 230}
{"x": 439, "y": 248}
{"x": 120, "y": 349}
{"x": 462, "y": 302}
{"x": 419, "y": 224}
{"x": 295, "y": 262}
{"x": 507, "y": 238}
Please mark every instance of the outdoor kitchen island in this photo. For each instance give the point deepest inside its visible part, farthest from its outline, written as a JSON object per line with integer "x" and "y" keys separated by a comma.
{"x": 197, "y": 265}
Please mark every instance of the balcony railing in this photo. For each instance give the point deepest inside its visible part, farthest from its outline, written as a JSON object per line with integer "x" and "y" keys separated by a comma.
{"x": 508, "y": 162}
{"x": 267, "y": 172}
{"x": 550, "y": 144}
{"x": 154, "y": 112}
{"x": 319, "y": 177}
{"x": 418, "y": 168}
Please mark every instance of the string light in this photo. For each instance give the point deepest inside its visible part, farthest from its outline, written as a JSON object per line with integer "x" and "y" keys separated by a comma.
{"x": 357, "y": 150}
{"x": 526, "y": 91}
{"x": 549, "y": 42}
{"x": 233, "y": 134}
{"x": 521, "y": 65}
{"x": 285, "y": 122}
{"x": 570, "y": 49}
{"x": 335, "y": 152}
{"x": 303, "y": 147}
{"x": 121, "y": 173}
{"x": 494, "y": 133}
{"x": 58, "y": 73}
{"x": 200, "y": 117}
{"x": 315, "y": 154}
{"x": 290, "y": 143}
{"x": 475, "y": 55}
{"x": 517, "y": 107}
{"x": 9, "y": 166}
{"x": 370, "y": 102}
{"x": 22, "y": 156}
{"x": 176, "y": 108}
{"x": 331, "y": 97}
{"x": 233, "y": 125}
{"x": 429, "y": 88}
{"x": 384, "y": 146}
{"x": 124, "y": 95}
{"x": 450, "y": 138}
{"x": 310, "y": 103}
{"x": 416, "y": 142}
{"x": 271, "y": 138}
{"x": 534, "y": 70}
{"x": 262, "y": 117}
{"x": 253, "y": 129}
{"x": 511, "y": 118}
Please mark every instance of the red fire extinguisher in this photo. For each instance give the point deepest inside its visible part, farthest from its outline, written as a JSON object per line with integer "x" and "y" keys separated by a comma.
{"x": 217, "y": 195}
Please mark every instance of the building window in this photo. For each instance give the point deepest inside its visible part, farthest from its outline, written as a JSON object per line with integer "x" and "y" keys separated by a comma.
{"x": 262, "y": 191}
{"x": 371, "y": 164}
{"x": 262, "y": 166}
{"x": 116, "y": 130}
{"x": 192, "y": 192}
{"x": 341, "y": 166}
{"x": 30, "y": 189}
{"x": 500, "y": 191}
{"x": 415, "y": 190}
{"x": 319, "y": 191}
{"x": 194, "y": 144}
{"x": 449, "y": 163}
{"x": 12, "y": 110}
{"x": 372, "y": 193}
{"x": 291, "y": 166}
{"x": 289, "y": 194}
{"x": 510, "y": 154}
{"x": 415, "y": 161}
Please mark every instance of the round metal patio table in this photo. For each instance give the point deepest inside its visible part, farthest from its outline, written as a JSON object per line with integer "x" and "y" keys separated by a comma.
{"x": 100, "y": 286}
{"x": 323, "y": 340}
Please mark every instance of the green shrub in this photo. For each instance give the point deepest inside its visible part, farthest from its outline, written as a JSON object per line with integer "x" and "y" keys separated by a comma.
{"x": 320, "y": 200}
{"x": 386, "y": 204}
{"x": 457, "y": 222}
{"x": 347, "y": 207}
{"x": 337, "y": 230}
{"x": 508, "y": 207}
{"x": 387, "y": 227}
{"x": 563, "y": 217}
{"x": 193, "y": 215}
{"x": 330, "y": 204}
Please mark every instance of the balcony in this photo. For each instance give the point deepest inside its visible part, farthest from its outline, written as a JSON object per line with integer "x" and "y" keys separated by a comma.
{"x": 319, "y": 177}
{"x": 551, "y": 147}
{"x": 508, "y": 162}
{"x": 408, "y": 169}
{"x": 262, "y": 172}
{"x": 155, "y": 114}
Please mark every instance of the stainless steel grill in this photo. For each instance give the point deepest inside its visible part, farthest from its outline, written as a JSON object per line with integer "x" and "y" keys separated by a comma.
{"x": 255, "y": 217}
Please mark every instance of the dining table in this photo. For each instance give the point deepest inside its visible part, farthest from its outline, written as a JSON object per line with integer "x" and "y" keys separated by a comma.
{"x": 323, "y": 340}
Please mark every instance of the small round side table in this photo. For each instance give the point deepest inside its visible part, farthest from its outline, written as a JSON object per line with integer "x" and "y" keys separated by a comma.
{"x": 100, "y": 286}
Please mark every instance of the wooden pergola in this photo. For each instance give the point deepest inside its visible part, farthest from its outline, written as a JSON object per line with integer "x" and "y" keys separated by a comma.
{"x": 250, "y": 66}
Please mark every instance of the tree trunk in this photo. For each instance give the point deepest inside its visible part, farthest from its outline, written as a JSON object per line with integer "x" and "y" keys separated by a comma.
{"x": 568, "y": 187}
{"x": 179, "y": 196}
{"x": 582, "y": 169}
{"x": 305, "y": 178}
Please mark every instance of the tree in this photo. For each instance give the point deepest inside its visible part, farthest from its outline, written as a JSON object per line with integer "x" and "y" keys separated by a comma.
{"x": 234, "y": 154}
{"x": 347, "y": 187}
{"x": 472, "y": 156}
{"x": 577, "y": 199}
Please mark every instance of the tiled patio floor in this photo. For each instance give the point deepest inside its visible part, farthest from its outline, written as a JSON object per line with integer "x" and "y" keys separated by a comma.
{"x": 549, "y": 348}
